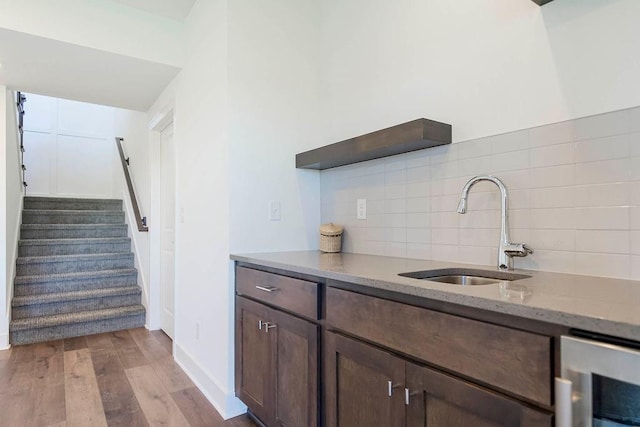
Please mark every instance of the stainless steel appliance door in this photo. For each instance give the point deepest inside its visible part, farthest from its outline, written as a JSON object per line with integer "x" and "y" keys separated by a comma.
{"x": 585, "y": 362}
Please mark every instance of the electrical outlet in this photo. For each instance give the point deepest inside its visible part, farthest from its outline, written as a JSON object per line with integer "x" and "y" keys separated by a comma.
{"x": 362, "y": 209}
{"x": 274, "y": 210}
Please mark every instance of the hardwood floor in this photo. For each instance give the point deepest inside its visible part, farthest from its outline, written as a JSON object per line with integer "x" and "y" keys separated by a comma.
{"x": 125, "y": 378}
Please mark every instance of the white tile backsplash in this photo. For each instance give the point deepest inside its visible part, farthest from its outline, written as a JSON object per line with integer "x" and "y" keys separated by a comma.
{"x": 574, "y": 197}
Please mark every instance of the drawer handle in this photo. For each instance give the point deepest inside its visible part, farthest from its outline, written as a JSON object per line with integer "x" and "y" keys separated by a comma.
{"x": 266, "y": 288}
{"x": 391, "y": 386}
{"x": 268, "y": 326}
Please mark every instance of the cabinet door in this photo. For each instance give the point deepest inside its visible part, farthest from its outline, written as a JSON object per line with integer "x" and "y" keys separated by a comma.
{"x": 254, "y": 377}
{"x": 436, "y": 399}
{"x": 357, "y": 386}
{"x": 295, "y": 355}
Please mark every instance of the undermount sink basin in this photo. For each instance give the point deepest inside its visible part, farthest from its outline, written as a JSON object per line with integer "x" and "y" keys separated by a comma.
{"x": 465, "y": 276}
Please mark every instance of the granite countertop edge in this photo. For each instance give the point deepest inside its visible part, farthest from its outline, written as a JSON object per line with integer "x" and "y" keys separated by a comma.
{"x": 586, "y": 321}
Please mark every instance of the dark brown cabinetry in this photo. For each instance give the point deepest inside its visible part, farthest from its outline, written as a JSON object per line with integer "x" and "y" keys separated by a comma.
{"x": 369, "y": 386}
{"x": 276, "y": 354}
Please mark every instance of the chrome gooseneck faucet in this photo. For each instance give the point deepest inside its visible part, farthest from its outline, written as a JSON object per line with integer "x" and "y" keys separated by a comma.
{"x": 506, "y": 250}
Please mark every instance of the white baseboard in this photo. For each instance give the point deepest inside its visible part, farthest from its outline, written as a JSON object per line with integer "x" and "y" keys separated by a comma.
{"x": 4, "y": 342}
{"x": 223, "y": 400}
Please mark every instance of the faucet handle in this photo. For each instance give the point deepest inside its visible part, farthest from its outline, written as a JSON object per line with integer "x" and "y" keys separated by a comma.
{"x": 518, "y": 249}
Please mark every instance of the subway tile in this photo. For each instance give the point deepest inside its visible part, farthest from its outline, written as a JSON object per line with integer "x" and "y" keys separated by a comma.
{"x": 557, "y": 240}
{"x": 395, "y": 177}
{"x": 418, "y": 219}
{"x": 603, "y": 172}
{"x": 444, "y": 219}
{"x": 419, "y": 158}
{"x": 398, "y": 235}
{"x": 609, "y": 218}
{"x": 375, "y": 207}
{"x": 611, "y": 242}
{"x": 615, "y": 123}
{"x": 395, "y": 249}
{"x": 556, "y": 261}
{"x": 376, "y": 220}
{"x": 635, "y": 192}
{"x": 418, "y": 251}
{"x": 480, "y": 219}
{"x": 476, "y": 255}
{"x": 420, "y": 204}
{"x": 520, "y": 235}
{"x": 553, "y": 155}
{"x": 419, "y": 235}
{"x": 611, "y": 147}
{"x": 395, "y": 206}
{"x": 475, "y": 166}
{"x": 512, "y": 141}
{"x": 557, "y": 133}
{"x": 444, "y": 203}
{"x": 519, "y": 199}
{"x": 371, "y": 248}
{"x": 379, "y": 234}
{"x": 444, "y": 154}
{"x": 555, "y": 197}
{"x": 444, "y": 252}
{"x": 445, "y": 170}
{"x": 634, "y": 174}
{"x": 374, "y": 167}
{"x": 634, "y": 117}
{"x": 474, "y": 148}
{"x": 634, "y": 217}
{"x": 421, "y": 173}
{"x": 635, "y": 267}
{"x": 394, "y": 163}
{"x": 395, "y": 191}
{"x": 553, "y": 176}
{"x": 634, "y": 144}
{"x": 477, "y": 237}
{"x": 512, "y": 161}
{"x": 520, "y": 218}
{"x": 395, "y": 220}
{"x": 599, "y": 264}
{"x": 601, "y": 195}
{"x": 552, "y": 218}
{"x": 516, "y": 180}
{"x": 444, "y": 236}
{"x": 482, "y": 200}
{"x": 418, "y": 189}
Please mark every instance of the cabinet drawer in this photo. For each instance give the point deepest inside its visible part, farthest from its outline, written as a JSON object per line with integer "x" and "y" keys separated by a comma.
{"x": 297, "y": 296}
{"x": 514, "y": 361}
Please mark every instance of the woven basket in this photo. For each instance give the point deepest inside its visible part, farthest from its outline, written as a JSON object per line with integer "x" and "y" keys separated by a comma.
{"x": 330, "y": 238}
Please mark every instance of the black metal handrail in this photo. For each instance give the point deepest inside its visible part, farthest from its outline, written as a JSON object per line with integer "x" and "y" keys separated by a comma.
{"x": 21, "y": 99}
{"x": 141, "y": 221}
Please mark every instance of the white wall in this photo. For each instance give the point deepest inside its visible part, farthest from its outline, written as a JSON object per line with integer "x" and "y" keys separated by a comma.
{"x": 486, "y": 67}
{"x": 98, "y": 24}
{"x": 11, "y": 193}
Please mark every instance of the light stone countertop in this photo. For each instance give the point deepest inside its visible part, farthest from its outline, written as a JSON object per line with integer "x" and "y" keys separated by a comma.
{"x": 597, "y": 304}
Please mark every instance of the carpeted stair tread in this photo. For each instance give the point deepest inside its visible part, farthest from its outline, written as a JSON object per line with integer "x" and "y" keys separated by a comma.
{"x": 69, "y": 226}
{"x": 74, "y": 318}
{"x": 72, "y": 231}
{"x": 76, "y": 241}
{"x": 23, "y": 280}
{"x": 72, "y": 211}
{"x": 76, "y": 257}
{"x": 19, "y": 301}
{"x": 70, "y": 203}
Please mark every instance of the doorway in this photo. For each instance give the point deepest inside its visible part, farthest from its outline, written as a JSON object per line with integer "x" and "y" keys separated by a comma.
{"x": 167, "y": 235}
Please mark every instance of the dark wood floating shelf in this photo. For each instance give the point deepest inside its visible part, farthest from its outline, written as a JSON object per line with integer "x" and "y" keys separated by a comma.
{"x": 414, "y": 135}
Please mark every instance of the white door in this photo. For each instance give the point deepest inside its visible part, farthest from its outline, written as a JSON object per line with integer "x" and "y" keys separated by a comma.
{"x": 168, "y": 213}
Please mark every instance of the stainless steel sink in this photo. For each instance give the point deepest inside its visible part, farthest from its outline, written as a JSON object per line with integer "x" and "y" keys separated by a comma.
{"x": 465, "y": 276}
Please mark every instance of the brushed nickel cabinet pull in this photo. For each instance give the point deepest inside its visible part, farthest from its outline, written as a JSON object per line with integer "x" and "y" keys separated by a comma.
{"x": 266, "y": 288}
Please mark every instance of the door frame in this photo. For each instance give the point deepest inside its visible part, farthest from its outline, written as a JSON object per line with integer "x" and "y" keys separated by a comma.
{"x": 156, "y": 125}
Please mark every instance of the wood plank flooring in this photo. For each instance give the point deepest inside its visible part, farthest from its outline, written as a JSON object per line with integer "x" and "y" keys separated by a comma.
{"x": 125, "y": 378}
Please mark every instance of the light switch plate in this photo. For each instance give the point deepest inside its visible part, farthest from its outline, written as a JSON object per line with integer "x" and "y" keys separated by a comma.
{"x": 362, "y": 209}
{"x": 274, "y": 211}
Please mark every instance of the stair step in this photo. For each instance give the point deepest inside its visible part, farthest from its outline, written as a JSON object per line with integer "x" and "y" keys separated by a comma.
{"x": 46, "y": 247}
{"x": 72, "y": 231}
{"x": 36, "y": 216}
{"x": 60, "y": 203}
{"x": 76, "y": 301}
{"x": 39, "y": 265}
{"x": 58, "y": 326}
{"x": 69, "y": 282}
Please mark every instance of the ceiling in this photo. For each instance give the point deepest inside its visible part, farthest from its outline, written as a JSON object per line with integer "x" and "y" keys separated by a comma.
{"x": 174, "y": 9}
{"x": 48, "y": 67}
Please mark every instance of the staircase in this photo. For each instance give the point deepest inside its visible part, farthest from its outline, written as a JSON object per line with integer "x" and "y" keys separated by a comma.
{"x": 74, "y": 274}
